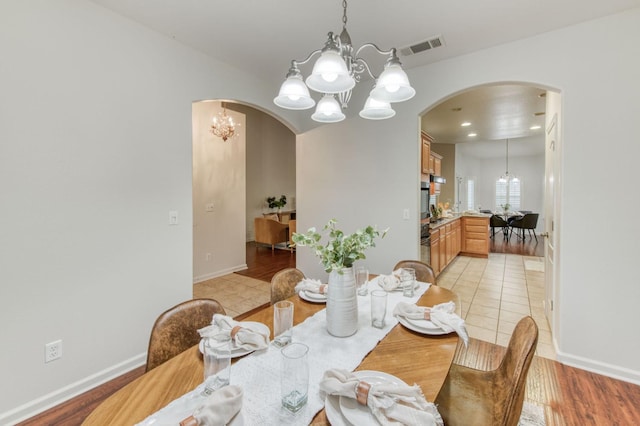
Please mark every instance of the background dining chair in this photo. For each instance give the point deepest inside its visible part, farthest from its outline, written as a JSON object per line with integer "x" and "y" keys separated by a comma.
{"x": 527, "y": 222}
{"x": 176, "y": 329}
{"x": 424, "y": 272}
{"x": 490, "y": 398}
{"x": 496, "y": 221}
{"x": 283, "y": 284}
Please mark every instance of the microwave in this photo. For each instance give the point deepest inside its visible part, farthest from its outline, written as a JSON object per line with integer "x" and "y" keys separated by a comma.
{"x": 424, "y": 200}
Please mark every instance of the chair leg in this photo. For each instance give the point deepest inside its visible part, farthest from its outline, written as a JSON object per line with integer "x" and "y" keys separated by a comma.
{"x": 534, "y": 234}
{"x": 273, "y": 247}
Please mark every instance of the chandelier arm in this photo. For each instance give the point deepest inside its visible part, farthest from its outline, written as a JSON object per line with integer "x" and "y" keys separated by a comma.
{"x": 366, "y": 66}
{"x": 295, "y": 63}
{"x": 380, "y": 51}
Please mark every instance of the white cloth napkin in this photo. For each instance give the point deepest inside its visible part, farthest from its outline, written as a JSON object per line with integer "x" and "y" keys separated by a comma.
{"x": 218, "y": 409}
{"x": 390, "y": 282}
{"x": 313, "y": 286}
{"x": 442, "y": 315}
{"x": 243, "y": 337}
{"x": 391, "y": 404}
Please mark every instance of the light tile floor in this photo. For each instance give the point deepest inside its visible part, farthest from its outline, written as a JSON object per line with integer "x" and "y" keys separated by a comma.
{"x": 496, "y": 293}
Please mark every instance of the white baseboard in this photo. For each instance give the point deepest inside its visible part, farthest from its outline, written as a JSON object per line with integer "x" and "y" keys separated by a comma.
{"x": 609, "y": 370}
{"x": 43, "y": 403}
{"x": 219, "y": 273}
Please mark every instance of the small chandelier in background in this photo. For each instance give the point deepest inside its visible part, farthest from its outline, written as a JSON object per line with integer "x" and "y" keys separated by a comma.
{"x": 336, "y": 72}
{"x": 506, "y": 177}
{"x": 223, "y": 125}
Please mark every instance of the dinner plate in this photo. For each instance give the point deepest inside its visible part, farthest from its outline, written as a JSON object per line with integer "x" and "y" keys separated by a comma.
{"x": 359, "y": 414}
{"x": 399, "y": 288}
{"x": 238, "y": 352}
{"x": 333, "y": 412}
{"x": 312, "y": 297}
{"x": 422, "y": 326}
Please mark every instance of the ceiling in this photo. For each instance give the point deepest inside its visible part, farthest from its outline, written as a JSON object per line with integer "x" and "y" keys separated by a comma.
{"x": 263, "y": 36}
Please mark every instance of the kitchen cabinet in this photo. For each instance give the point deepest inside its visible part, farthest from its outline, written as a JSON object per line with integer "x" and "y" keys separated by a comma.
{"x": 426, "y": 155}
{"x": 445, "y": 244}
{"x": 475, "y": 236}
{"x": 436, "y": 167}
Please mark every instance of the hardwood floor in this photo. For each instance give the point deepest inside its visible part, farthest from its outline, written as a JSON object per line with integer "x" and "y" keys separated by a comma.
{"x": 527, "y": 247}
{"x": 262, "y": 263}
{"x": 569, "y": 396}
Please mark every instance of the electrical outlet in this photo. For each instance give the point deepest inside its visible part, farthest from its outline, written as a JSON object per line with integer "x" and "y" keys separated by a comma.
{"x": 53, "y": 351}
{"x": 173, "y": 217}
{"x": 208, "y": 257}
{"x": 405, "y": 214}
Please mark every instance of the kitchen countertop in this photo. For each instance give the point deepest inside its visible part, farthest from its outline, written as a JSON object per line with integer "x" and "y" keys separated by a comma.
{"x": 453, "y": 217}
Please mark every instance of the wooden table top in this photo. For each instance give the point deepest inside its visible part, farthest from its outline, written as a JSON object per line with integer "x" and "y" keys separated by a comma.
{"x": 410, "y": 356}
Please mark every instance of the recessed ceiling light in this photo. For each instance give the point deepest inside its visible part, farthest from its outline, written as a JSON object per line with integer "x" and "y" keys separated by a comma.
{"x": 465, "y": 124}
{"x": 472, "y": 135}
{"x": 536, "y": 127}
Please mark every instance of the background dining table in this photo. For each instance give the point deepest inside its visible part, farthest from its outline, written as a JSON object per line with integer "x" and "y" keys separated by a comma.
{"x": 410, "y": 356}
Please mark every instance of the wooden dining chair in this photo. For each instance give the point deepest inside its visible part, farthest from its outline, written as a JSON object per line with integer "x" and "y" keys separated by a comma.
{"x": 424, "y": 272}
{"x": 283, "y": 284}
{"x": 176, "y": 329}
{"x": 490, "y": 398}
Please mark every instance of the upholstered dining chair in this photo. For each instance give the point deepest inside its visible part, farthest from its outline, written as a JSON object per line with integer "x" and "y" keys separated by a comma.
{"x": 283, "y": 284}
{"x": 176, "y": 329}
{"x": 490, "y": 398}
{"x": 496, "y": 221}
{"x": 527, "y": 222}
{"x": 424, "y": 272}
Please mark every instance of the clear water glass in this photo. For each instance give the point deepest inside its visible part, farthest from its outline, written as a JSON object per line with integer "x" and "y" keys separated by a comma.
{"x": 408, "y": 281}
{"x": 282, "y": 322}
{"x": 294, "y": 385}
{"x": 378, "y": 308}
{"x": 362, "y": 278}
{"x": 217, "y": 362}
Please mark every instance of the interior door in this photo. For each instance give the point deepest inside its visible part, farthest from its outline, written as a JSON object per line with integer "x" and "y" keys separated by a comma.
{"x": 552, "y": 150}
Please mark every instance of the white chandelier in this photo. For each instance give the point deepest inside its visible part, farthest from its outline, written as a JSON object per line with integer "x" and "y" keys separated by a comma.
{"x": 336, "y": 72}
{"x": 223, "y": 125}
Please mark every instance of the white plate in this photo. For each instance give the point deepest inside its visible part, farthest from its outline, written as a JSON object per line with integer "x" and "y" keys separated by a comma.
{"x": 356, "y": 413}
{"x": 422, "y": 326}
{"x": 399, "y": 288}
{"x": 332, "y": 410}
{"x": 252, "y": 325}
{"x": 312, "y": 297}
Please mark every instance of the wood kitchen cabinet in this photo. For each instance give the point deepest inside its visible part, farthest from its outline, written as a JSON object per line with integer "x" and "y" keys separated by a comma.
{"x": 475, "y": 236}
{"x": 426, "y": 156}
{"x": 445, "y": 244}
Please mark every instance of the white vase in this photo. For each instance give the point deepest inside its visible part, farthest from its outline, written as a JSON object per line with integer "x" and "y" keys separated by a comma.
{"x": 342, "y": 303}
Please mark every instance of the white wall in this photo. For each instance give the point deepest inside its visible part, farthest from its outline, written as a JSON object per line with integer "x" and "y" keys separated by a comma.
{"x": 363, "y": 172}
{"x": 271, "y": 164}
{"x": 219, "y": 178}
{"x": 95, "y": 150}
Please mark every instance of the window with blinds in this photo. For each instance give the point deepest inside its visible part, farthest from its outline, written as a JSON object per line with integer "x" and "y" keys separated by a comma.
{"x": 471, "y": 194}
{"x": 509, "y": 193}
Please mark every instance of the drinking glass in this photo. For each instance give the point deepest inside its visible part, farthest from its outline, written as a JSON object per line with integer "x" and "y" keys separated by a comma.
{"x": 282, "y": 322}
{"x": 378, "y": 308}
{"x": 294, "y": 382}
{"x": 217, "y": 362}
{"x": 408, "y": 281}
{"x": 362, "y": 277}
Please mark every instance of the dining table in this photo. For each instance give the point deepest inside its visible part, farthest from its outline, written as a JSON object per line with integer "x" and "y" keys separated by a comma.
{"x": 405, "y": 354}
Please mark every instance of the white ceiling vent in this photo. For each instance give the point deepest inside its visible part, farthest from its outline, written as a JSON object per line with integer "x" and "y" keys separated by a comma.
{"x": 431, "y": 43}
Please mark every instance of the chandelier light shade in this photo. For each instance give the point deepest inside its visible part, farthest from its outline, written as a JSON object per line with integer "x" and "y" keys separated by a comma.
{"x": 328, "y": 110}
{"x": 223, "y": 125}
{"x": 336, "y": 71}
{"x": 376, "y": 110}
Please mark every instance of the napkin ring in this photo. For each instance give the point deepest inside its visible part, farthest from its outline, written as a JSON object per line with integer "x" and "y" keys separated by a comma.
{"x": 234, "y": 331}
{"x": 362, "y": 392}
{"x": 427, "y": 315}
{"x": 323, "y": 288}
{"x": 189, "y": 421}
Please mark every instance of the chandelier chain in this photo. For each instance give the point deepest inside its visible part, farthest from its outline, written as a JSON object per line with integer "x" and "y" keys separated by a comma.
{"x": 344, "y": 14}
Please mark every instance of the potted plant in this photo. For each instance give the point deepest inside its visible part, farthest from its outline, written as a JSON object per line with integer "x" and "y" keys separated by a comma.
{"x": 337, "y": 257}
{"x": 277, "y": 203}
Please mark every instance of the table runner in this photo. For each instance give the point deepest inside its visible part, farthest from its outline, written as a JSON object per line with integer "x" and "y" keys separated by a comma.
{"x": 259, "y": 373}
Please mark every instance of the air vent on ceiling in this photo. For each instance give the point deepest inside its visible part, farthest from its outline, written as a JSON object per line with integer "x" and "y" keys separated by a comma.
{"x": 431, "y": 43}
